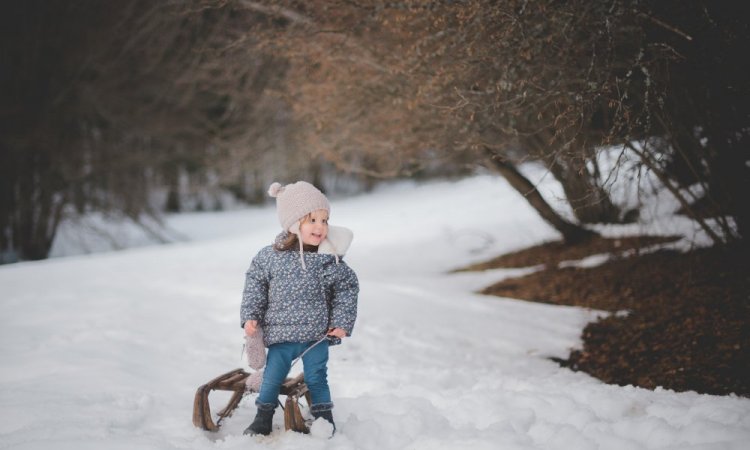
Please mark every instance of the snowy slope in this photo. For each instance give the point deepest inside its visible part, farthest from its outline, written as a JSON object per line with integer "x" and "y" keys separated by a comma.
{"x": 105, "y": 351}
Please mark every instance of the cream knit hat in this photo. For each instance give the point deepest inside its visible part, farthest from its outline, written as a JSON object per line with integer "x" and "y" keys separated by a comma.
{"x": 295, "y": 201}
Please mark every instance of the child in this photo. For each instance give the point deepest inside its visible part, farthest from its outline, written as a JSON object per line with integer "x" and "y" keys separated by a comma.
{"x": 299, "y": 291}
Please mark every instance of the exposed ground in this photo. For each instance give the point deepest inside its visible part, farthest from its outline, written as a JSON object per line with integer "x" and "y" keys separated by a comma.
{"x": 680, "y": 320}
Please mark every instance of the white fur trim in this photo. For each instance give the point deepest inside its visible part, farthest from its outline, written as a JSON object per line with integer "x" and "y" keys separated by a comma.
{"x": 337, "y": 242}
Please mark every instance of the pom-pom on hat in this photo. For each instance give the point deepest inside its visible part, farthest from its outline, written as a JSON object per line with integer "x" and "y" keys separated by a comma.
{"x": 295, "y": 201}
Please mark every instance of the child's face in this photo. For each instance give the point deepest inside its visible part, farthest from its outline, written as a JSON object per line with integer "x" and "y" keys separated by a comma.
{"x": 314, "y": 228}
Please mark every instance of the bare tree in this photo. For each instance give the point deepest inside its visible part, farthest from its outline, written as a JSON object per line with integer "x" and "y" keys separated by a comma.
{"x": 383, "y": 86}
{"x": 105, "y": 102}
{"x": 389, "y": 90}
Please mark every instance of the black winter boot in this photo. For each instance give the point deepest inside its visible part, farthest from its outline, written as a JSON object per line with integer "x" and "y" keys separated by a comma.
{"x": 262, "y": 423}
{"x": 327, "y": 415}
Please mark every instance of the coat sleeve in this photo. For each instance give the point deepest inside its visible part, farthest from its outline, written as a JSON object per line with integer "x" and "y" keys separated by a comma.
{"x": 255, "y": 294}
{"x": 344, "y": 299}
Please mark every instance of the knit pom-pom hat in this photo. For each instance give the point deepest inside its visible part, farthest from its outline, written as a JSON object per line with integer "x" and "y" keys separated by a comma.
{"x": 295, "y": 201}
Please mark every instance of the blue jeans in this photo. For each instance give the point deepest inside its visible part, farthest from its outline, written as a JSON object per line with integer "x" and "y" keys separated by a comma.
{"x": 278, "y": 363}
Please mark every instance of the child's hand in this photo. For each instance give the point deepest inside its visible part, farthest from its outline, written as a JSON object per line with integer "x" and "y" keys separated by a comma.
{"x": 251, "y": 326}
{"x": 338, "y": 332}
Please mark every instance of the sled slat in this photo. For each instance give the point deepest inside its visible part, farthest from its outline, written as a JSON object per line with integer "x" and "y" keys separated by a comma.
{"x": 293, "y": 419}
{"x": 231, "y": 383}
{"x": 290, "y": 383}
{"x": 198, "y": 410}
{"x": 234, "y": 402}
{"x": 218, "y": 379}
{"x": 207, "y": 420}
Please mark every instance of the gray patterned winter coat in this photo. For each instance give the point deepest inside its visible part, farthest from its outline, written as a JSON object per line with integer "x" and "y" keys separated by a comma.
{"x": 292, "y": 304}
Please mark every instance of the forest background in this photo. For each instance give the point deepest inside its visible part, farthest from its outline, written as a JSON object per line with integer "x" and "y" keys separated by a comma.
{"x": 136, "y": 108}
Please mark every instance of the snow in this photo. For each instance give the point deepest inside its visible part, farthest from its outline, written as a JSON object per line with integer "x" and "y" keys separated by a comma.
{"x": 105, "y": 350}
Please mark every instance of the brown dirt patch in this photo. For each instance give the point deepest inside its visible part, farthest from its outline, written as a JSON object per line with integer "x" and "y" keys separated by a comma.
{"x": 553, "y": 253}
{"x": 688, "y": 320}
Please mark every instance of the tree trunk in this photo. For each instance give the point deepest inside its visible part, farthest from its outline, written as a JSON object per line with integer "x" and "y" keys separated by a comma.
{"x": 729, "y": 180}
{"x": 571, "y": 233}
{"x": 589, "y": 201}
{"x": 32, "y": 207}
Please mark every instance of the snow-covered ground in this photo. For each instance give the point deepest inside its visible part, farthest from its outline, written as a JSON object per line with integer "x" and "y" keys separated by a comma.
{"x": 105, "y": 351}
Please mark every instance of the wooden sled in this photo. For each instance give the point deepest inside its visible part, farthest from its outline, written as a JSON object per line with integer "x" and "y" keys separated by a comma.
{"x": 293, "y": 388}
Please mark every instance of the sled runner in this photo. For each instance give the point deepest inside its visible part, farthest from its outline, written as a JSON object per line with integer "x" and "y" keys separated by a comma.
{"x": 234, "y": 381}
